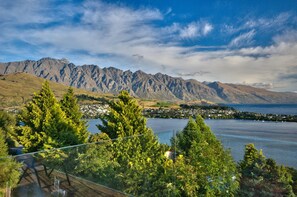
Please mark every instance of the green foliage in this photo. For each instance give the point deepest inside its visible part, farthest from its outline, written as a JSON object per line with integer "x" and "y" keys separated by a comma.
{"x": 7, "y": 124}
{"x": 71, "y": 108}
{"x": 98, "y": 137}
{"x": 96, "y": 163}
{"x": 293, "y": 172}
{"x": 46, "y": 124}
{"x": 9, "y": 169}
{"x": 177, "y": 178}
{"x": 214, "y": 168}
{"x": 125, "y": 119}
{"x": 206, "y": 169}
{"x": 263, "y": 177}
{"x": 184, "y": 139}
{"x": 7, "y": 121}
{"x": 3, "y": 147}
{"x": 136, "y": 149}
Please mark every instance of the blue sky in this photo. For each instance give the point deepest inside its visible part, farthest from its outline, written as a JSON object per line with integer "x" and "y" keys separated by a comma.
{"x": 240, "y": 41}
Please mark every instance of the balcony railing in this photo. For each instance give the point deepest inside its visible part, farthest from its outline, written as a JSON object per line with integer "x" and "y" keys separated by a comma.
{"x": 88, "y": 170}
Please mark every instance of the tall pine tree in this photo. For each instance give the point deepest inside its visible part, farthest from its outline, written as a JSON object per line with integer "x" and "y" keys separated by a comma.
{"x": 45, "y": 124}
{"x": 137, "y": 150}
{"x": 124, "y": 120}
{"x": 214, "y": 167}
{"x": 71, "y": 108}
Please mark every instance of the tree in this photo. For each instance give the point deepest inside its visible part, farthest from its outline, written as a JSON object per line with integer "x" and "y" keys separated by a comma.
{"x": 124, "y": 120}
{"x": 263, "y": 177}
{"x": 9, "y": 169}
{"x": 213, "y": 166}
{"x": 7, "y": 124}
{"x": 71, "y": 108}
{"x": 136, "y": 148}
{"x": 46, "y": 124}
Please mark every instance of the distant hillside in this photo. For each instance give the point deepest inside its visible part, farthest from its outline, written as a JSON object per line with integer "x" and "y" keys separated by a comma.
{"x": 18, "y": 88}
{"x": 143, "y": 85}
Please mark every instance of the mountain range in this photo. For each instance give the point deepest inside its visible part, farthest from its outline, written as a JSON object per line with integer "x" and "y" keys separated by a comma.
{"x": 140, "y": 84}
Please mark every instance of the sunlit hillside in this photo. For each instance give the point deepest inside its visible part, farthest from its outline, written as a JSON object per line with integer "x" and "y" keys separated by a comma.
{"x": 17, "y": 89}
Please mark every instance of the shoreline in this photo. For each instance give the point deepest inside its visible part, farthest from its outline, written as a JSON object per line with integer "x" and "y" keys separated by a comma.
{"x": 207, "y": 112}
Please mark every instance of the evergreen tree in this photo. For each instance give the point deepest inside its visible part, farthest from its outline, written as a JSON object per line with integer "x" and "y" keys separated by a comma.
{"x": 46, "y": 124}
{"x": 7, "y": 124}
{"x": 213, "y": 166}
{"x": 263, "y": 177}
{"x": 124, "y": 120}
{"x": 71, "y": 108}
{"x": 9, "y": 169}
{"x": 136, "y": 149}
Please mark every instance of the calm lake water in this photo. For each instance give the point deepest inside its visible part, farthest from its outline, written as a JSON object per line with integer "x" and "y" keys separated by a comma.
{"x": 277, "y": 140}
{"x": 288, "y": 109}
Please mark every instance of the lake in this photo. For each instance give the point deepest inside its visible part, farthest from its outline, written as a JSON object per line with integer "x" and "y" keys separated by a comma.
{"x": 288, "y": 109}
{"x": 278, "y": 140}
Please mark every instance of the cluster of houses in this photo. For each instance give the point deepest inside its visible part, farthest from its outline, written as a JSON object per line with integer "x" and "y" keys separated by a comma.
{"x": 93, "y": 110}
{"x": 186, "y": 113}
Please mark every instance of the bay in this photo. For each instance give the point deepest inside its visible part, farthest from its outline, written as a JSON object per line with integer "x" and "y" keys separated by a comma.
{"x": 278, "y": 140}
{"x": 287, "y": 109}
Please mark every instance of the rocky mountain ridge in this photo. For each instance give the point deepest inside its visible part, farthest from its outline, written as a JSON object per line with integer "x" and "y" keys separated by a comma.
{"x": 143, "y": 85}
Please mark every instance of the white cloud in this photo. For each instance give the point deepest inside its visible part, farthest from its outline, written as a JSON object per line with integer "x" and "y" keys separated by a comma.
{"x": 207, "y": 28}
{"x": 244, "y": 39}
{"x": 23, "y": 12}
{"x": 259, "y": 85}
{"x": 97, "y": 12}
{"x": 276, "y": 23}
{"x": 192, "y": 74}
{"x": 289, "y": 36}
{"x": 189, "y": 31}
{"x": 195, "y": 29}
